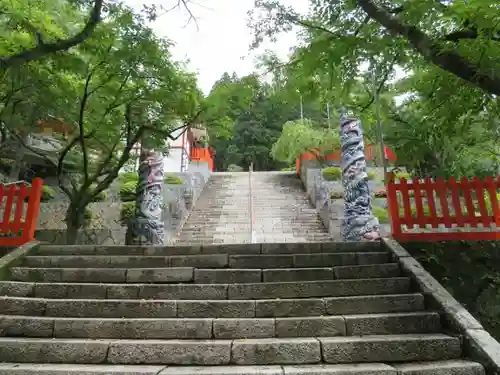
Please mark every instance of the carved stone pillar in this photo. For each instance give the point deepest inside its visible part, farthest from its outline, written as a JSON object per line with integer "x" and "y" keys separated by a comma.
{"x": 359, "y": 222}
{"x": 147, "y": 228}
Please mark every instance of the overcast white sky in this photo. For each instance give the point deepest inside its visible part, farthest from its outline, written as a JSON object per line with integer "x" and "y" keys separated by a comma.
{"x": 221, "y": 41}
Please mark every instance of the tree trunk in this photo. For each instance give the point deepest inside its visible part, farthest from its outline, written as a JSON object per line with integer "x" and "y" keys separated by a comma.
{"x": 74, "y": 221}
{"x": 359, "y": 222}
{"x": 147, "y": 228}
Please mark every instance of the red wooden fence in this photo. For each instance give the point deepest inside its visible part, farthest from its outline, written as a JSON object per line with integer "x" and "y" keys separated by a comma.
{"x": 460, "y": 205}
{"x": 19, "y": 217}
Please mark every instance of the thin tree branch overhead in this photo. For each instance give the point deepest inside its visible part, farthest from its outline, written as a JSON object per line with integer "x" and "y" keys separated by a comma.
{"x": 42, "y": 49}
{"x": 432, "y": 50}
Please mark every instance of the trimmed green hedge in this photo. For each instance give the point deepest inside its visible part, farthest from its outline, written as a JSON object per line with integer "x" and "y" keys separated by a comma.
{"x": 332, "y": 174}
{"x": 127, "y": 191}
{"x": 127, "y": 211}
{"x": 173, "y": 180}
{"x": 381, "y": 213}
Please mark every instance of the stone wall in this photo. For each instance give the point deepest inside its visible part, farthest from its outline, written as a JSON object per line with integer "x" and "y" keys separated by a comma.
{"x": 319, "y": 191}
{"x": 105, "y": 226}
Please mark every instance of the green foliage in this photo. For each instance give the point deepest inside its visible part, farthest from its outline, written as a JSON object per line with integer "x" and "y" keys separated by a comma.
{"x": 234, "y": 168}
{"x": 372, "y": 175}
{"x": 288, "y": 169}
{"x": 469, "y": 271}
{"x": 48, "y": 193}
{"x": 127, "y": 191}
{"x": 332, "y": 174}
{"x": 88, "y": 214}
{"x": 127, "y": 211}
{"x": 300, "y": 136}
{"x": 173, "y": 180}
{"x": 101, "y": 196}
{"x": 381, "y": 214}
{"x": 127, "y": 177}
{"x": 489, "y": 204}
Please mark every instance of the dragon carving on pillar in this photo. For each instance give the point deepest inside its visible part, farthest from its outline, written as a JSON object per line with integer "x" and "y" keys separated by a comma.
{"x": 359, "y": 222}
{"x": 147, "y": 228}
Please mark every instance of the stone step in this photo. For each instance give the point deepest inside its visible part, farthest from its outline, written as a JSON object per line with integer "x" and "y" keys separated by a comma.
{"x": 257, "y": 248}
{"x": 220, "y": 328}
{"x": 305, "y": 289}
{"x": 200, "y": 275}
{"x": 452, "y": 367}
{"x": 123, "y": 308}
{"x": 267, "y": 351}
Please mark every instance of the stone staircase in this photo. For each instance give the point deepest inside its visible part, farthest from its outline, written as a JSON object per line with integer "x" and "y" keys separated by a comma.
{"x": 242, "y": 309}
{"x": 282, "y": 212}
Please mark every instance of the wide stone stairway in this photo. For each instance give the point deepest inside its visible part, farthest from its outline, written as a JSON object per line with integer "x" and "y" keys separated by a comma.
{"x": 281, "y": 211}
{"x": 247, "y": 309}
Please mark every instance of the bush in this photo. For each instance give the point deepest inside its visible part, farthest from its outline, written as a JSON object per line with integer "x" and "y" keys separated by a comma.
{"x": 381, "y": 193}
{"x": 381, "y": 214}
{"x": 123, "y": 178}
{"x": 48, "y": 193}
{"x": 372, "y": 175}
{"x": 400, "y": 175}
{"x": 127, "y": 211}
{"x": 102, "y": 196}
{"x": 288, "y": 169}
{"x": 234, "y": 168}
{"x": 88, "y": 214}
{"x": 336, "y": 195}
{"x": 332, "y": 174}
{"x": 489, "y": 204}
{"x": 173, "y": 180}
{"x": 127, "y": 191}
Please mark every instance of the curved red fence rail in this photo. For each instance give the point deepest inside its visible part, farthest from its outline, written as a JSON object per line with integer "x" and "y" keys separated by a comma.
{"x": 19, "y": 208}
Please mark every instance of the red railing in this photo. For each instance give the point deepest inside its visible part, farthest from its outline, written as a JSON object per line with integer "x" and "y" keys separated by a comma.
{"x": 19, "y": 207}
{"x": 202, "y": 155}
{"x": 467, "y": 209}
{"x": 314, "y": 155}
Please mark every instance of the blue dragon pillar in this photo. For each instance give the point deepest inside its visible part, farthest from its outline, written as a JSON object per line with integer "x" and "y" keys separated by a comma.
{"x": 359, "y": 222}
{"x": 147, "y": 228}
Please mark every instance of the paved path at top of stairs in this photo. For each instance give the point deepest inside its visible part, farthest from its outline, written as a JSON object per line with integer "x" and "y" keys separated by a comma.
{"x": 270, "y": 309}
{"x": 282, "y": 212}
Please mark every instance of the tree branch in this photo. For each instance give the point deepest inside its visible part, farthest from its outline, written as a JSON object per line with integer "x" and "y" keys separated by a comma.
{"x": 42, "y": 49}
{"x": 467, "y": 34}
{"x": 432, "y": 51}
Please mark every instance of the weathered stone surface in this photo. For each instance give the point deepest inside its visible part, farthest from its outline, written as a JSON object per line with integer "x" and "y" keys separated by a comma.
{"x": 392, "y": 348}
{"x": 87, "y": 308}
{"x": 160, "y": 275}
{"x": 200, "y": 261}
{"x": 75, "y": 290}
{"x": 152, "y": 328}
{"x": 351, "y": 369}
{"x": 482, "y": 346}
{"x": 184, "y": 291}
{"x": 291, "y": 248}
{"x": 367, "y": 271}
{"x": 324, "y": 260}
{"x": 289, "y": 307}
{"x": 66, "y": 369}
{"x": 25, "y": 350}
{"x": 374, "y": 304}
{"x": 382, "y": 324}
{"x": 171, "y": 352}
{"x": 373, "y": 257}
{"x": 261, "y": 261}
{"x": 223, "y": 370}
{"x": 319, "y": 288}
{"x": 243, "y": 328}
{"x": 22, "y": 306}
{"x": 276, "y": 351}
{"x": 16, "y": 289}
{"x": 454, "y": 367}
{"x": 297, "y": 274}
{"x": 216, "y": 309}
{"x": 311, "y": 326}
{"x": 25, "y": 326}
{"x": 97, "y": 261}
{"x": 227, "y": 276}
{"x": 104, "y": 275}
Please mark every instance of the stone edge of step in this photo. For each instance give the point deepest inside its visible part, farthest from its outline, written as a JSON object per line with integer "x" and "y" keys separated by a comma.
{"x": 433, "y": 368}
